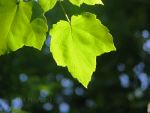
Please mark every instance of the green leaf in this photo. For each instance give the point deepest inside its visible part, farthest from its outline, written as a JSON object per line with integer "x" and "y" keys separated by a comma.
{"x": 77, "y": 44}
{"x": 16, "y": 28}
{"x": 89, "y": 2}
{"x": 47, "y": 4}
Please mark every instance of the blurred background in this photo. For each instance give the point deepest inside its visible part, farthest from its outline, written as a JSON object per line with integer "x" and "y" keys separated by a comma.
{"x": 31, "y": 82}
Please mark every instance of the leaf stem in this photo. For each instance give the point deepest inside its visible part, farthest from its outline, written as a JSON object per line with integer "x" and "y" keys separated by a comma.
{"x": 64, "y": 11}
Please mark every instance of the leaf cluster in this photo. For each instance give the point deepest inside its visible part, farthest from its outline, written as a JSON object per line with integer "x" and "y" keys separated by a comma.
{"x": 75, "y": 43}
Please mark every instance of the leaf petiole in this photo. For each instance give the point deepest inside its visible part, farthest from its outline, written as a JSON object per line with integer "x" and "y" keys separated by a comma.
{"x": 64, "y": 11}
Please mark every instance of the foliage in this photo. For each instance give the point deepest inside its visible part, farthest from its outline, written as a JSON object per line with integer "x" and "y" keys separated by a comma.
{"x": 81, "y": 45}
{"x": 16, "y": 28}
{"x": 25, "y": 25}
{"x": 120, "y": 83}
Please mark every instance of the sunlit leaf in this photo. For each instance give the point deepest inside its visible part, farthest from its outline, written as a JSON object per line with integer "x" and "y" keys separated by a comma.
{"x": 89, "y": 2}
{"x": 16, "y": 29}
{"x": 77, "y": 44}
{"x": 47, "y": 4}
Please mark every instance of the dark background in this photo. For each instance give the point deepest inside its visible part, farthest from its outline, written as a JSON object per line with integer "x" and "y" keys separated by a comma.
{"x": 31, "y": 82}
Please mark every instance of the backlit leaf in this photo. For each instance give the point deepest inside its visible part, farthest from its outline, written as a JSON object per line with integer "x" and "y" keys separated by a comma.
{"x": 89, "y": 2}
{"x": 47, "y": 4}
{"x": 16, "y": 27}
{"x": 77, "y": 44}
